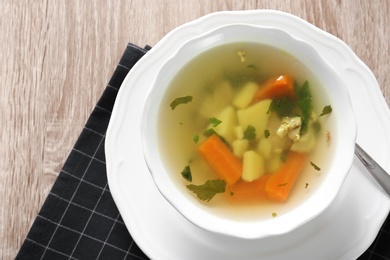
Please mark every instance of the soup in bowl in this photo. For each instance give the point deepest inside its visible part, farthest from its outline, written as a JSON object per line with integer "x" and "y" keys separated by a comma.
{"x": 248, "y": 132}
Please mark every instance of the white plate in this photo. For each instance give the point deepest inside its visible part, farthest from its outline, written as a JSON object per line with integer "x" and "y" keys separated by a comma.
{"x": 344, "y": 231}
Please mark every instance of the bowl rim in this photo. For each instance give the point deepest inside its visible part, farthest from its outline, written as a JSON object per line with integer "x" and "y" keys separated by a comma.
{"x": 207, "y": 220}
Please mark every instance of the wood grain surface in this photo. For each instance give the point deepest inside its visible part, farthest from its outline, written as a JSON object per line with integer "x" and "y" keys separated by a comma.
{"x": 56, "y": 57}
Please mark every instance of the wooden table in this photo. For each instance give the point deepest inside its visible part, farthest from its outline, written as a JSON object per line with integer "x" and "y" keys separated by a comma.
{"x": 57, "y": 56}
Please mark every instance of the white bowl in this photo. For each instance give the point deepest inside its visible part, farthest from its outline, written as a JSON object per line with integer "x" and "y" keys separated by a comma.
{"x": 343, "y": 136}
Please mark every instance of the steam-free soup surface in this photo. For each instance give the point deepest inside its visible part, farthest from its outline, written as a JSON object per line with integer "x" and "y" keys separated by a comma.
{"x": 246, "y": 131}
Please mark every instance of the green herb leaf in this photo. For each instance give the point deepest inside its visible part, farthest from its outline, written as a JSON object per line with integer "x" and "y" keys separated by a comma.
{"x": 274, "y": 215}
{"x": 326, "y": 110}
{"x": 214, "y": 121}
{"x": 306, "y": 185}
{"x": 315, "y": 166}
{"x": 250, "y": 133}
{"x": 186, "y": 173}
{"x": 196, "y": 138}
{"x": 231, "y": 193}
{"x": 253, "y": 66}
{"x": 283, "y": 184}
{"x": 304, "y": 103}
{"x": 283, "y": 106}
{"x": 208, "y": 190}
{"x": 266, "y": 133}
{"x": 179, "y": 101}
{"x": 209, "y": 132}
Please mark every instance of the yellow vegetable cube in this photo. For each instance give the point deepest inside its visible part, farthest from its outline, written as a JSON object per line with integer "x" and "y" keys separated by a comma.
{"x": 274, "y": 163}
{"x": 239, "y": 146}
{"x": 226, "y": 127}
{"x": 239, "y": 132}
{"x": 245, "y": 95}
{"x": 264, "y": 147}
{"x": 253, "y": 166}
{"x": 256, "y": 116}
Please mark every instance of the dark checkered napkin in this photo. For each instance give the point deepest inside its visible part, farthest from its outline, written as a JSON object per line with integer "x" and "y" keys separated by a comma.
{"x": 79, "y": 219}
{"x": 380, "y": 248}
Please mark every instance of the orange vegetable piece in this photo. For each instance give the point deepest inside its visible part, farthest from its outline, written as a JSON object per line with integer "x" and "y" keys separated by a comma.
{"x": 280, "y": 183}
{"x": 278, "y": 86}
{"x": 244, "y": 191}
{"x": 223, "y": 162}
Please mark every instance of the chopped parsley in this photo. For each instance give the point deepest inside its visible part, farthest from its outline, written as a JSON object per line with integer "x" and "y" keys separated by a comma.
{"x": 326, "y": 110}
{"x": 252, "y": 66}
{"x": 306, "y": 185}
{"x": 250, "y": 133}
{"x": 214, "y": 121}
{"x": 179, "y": 101}
{"x": 274, "y": 214}
{"x": 186, "y": 173}
{"x": 209, "y": 132}
{"x": 283, "y": 106}
{"x": 208, "y": 190}
{"x": 196, "y": 138}
{"x": 304, "y": 104}
{"x": 266, "y": 133}
{"x": 315, "y": 166}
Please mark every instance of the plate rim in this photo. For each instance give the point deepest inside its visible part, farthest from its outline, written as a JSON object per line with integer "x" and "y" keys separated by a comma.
{"x": 198, "y": 23}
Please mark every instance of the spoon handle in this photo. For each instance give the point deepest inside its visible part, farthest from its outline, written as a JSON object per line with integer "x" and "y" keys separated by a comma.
{"x": 382, "y": 177}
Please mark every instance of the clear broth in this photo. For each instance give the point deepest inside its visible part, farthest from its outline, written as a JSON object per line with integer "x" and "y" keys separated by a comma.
{"x": 199, "y": 78}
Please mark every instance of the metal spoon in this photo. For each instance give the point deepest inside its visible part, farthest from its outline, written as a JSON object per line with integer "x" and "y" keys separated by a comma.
{"x": 382, "y": 177}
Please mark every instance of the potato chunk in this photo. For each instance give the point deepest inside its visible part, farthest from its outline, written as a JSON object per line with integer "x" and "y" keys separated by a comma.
{"x": 253, "y": 166}
{"x": 239, "y": 132}
{"x": 245, "y": 95}
{"x": 226, "y": 127}
{"x": 264, "y": 147}
{"x": 256, "y": 116}
{"x": 239, "y": 146}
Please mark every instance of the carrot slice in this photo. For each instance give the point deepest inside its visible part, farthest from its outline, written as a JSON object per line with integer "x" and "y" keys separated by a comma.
{"x": 278, "y": 86}
{"x": 224, "y": 163}
{"x": 280, "y": 183}
{"x": 244, "y": 191}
